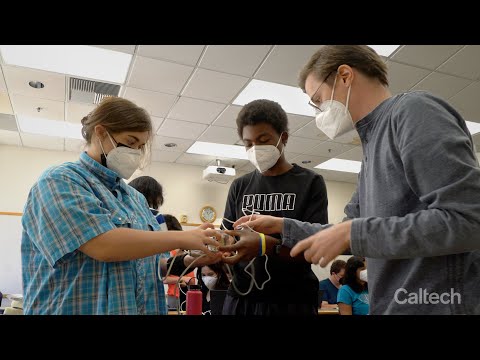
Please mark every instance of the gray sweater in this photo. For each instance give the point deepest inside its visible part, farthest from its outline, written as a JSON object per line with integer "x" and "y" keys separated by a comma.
{"x": 416, "y": 209}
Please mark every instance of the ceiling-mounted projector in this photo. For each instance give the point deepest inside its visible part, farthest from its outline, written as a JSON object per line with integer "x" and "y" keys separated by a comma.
{"x": 218, "y": 173}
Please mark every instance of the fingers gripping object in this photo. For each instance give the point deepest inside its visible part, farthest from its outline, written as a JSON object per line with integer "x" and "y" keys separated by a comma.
{"x": 212, "y": 248}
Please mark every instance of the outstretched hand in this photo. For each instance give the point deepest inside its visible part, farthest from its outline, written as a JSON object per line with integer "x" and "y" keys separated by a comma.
{"x": 325, "y": 245}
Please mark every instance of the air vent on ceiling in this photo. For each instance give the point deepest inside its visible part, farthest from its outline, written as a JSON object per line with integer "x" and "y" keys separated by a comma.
{"x": 91, "y": 92}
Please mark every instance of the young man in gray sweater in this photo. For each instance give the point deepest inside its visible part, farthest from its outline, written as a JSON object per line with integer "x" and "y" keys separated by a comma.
{"x": 415, "y": 214}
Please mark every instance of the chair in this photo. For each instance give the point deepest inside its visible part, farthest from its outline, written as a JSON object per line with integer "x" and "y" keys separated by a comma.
{"x": 217, "y": 298}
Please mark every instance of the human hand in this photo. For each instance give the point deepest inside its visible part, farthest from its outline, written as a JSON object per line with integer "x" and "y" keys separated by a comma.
{"x": 325, "y": 245}
{"x": 207, "y": 259}
{"x": 197, "y": 239}
{"x": 206, "y": 226}
{"x": 262, "y": 223}
{"x": 247, "y": 247}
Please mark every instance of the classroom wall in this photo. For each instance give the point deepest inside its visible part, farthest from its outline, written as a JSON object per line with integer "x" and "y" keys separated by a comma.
{"x": 185, "y": 191}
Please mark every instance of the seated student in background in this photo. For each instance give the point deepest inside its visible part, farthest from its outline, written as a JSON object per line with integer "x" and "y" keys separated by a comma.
{"x": 213, "y": 277}
{"x": 174, "y": 293}
{"x": 331, "y": 284}
{"x": 352, "y": 297}
{"x": 153, "y": 192}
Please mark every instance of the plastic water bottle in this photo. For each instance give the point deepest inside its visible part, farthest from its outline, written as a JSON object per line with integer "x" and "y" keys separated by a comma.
{"x": 194, "y": 300}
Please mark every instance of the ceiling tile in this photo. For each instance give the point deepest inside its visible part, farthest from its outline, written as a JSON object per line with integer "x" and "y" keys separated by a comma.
{"x": 28, "y": 106}
{"x": 75, "y": 145}
{"x": 442, "y": 85}
{"x": 311, "y": 131}
{"x": 182, "y": 54}
{"x": 5, "y": 105}
{"x": 228, "y": 118}
{"x": 300, "y": 145}
{"x": 181, "y": 129}
{"x": 296, "y": 122}
{"x": 194, "y": 159}
{"x": 220, "y": 135}
{"x": 3, "y": 86}
{"x": 8, "y": 122}
{"x": 464, "y": 63}
{"x": 157, "y": 75}
{"x": 355, "y": 154}
{"x": 165, "y": 156}
{"x": 214, "y": 86}
{"x": 160, "y": 141}
{"x": 234, "y": 59}
{"x": 157, "y": 104}
{"x": 10, "y": 138}
{"x": 309, "y": 161}
{"x": 330, "y": 149}
{"x": 341, "y": 176}
{"x": 129, "y": 49}
{"x": 156, "y": 123}
{"x": 18, "y": 79}
{"x": 195, "y": 110}
{"x": 42, "y": 141}
{"x": 403, "y": 77}
{"x": 290, "y": 156}
{"x": 284, "y": 63}
{"x": 75, "y": 112}
{"x": 466, "y": 102}
{"x": 427, "y": 56}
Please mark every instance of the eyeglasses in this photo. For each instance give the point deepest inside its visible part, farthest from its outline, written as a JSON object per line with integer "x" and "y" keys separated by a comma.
{"x": 310, "y": 102}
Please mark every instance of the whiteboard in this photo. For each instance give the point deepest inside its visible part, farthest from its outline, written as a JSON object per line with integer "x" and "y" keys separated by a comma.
{"x": 10, "y": 257}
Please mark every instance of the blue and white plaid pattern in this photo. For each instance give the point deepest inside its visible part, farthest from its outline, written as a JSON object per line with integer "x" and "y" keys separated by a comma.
{"x": 69, "y": 205}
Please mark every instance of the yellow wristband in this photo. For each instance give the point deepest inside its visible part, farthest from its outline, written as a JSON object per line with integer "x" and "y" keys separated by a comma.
{"x": 263, "y": 244}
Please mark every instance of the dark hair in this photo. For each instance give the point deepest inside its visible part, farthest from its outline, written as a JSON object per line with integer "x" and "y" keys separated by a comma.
{"x": 150, "y": 188}
{"x": 222, "y": 279}
{"x": 350, "y": 278}
{"x": 329, "y": 57}
{"x": 172, "y": 222}
{"x": 337, "y": 266}
{"x": 262, "y": 111}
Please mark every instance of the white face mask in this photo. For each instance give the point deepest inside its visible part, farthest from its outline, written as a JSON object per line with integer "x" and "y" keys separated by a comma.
{"x": 122, "y": 159}
{"x": 209, "y": 281}
{"x": 363, "y": 275}
{"x": 334, "y": 119}
{"x": 264, "y": 157}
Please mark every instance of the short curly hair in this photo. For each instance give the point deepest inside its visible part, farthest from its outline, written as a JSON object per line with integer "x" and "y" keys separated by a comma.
{"x": 262, "y": 111}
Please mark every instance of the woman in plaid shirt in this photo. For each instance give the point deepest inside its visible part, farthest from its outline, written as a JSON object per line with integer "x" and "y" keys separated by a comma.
{"x": 90, "y": 244}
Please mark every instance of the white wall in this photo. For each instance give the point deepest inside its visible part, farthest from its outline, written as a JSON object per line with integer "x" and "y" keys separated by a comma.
{"x": 184, "y": 190}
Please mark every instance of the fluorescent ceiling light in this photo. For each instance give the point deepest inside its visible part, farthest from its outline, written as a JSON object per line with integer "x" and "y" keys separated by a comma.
{"x": 473, "y": 127}
{"x": 220, "y": 150}
{"x": 341, "y": 165}
{"x": 292, "y": 99}
{"x": 77, "y": 60}
{"x": 384, "y": 50}
{"x": 50, "y": 127}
